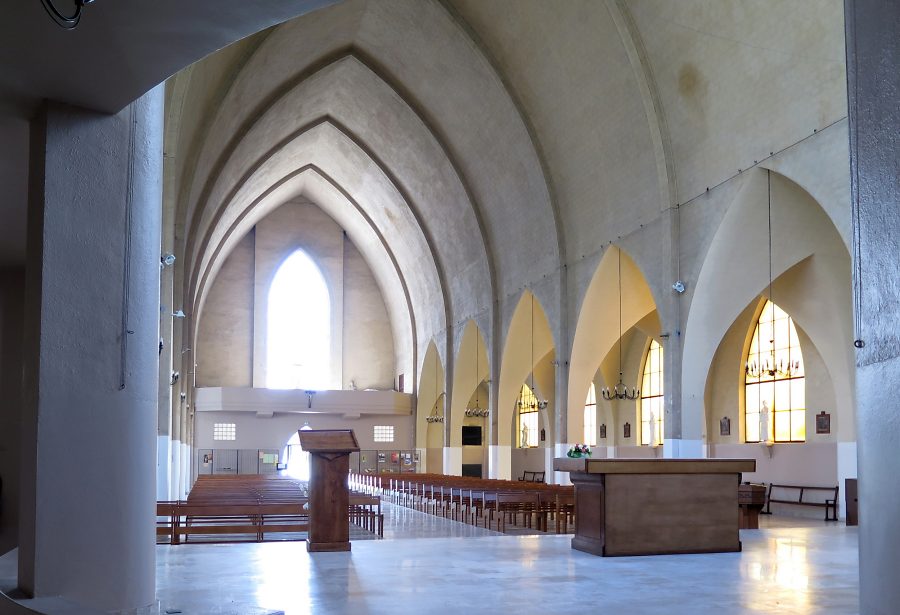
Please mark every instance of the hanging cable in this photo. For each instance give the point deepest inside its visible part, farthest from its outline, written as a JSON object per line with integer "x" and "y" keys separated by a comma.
{"x": 63, "y": 21}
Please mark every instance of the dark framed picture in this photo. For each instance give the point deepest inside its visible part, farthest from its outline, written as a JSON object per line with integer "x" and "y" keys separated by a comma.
{"x": 627, "y": 430}
{"x": 381, "y": 457}
{"x": 603, "y": 430}
{"x": 823, "y": 422}
{"x": 725, "y": 426}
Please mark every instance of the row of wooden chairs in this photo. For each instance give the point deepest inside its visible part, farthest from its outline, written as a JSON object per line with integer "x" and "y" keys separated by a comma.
{"x": 490, "y": 503}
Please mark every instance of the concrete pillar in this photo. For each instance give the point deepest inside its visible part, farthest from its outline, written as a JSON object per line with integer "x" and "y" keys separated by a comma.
{"x": 561, "y": 424}
{"x": 873, "y": 86}
{"x": 92, "y": 325}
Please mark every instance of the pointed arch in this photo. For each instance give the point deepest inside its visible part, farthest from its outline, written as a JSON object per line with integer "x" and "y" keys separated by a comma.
{"x": 430, "y": 402}
{"x": 529, "y": 343}
{"x": 471, "y": 368}
{"x": 811, "y": 278}
{"x": 597, "y": 331}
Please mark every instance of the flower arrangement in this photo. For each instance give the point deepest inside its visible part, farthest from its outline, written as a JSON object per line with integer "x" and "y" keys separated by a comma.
{"x": 579, "y": 450}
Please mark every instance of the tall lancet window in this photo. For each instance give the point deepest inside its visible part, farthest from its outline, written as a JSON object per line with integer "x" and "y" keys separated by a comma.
{"x": 775, "y": 383}
{"x": 298, "y": 327}
{"x": 652, "y": 408}
{"x": 590, "y": 416}
{"x": 528, "y": 418}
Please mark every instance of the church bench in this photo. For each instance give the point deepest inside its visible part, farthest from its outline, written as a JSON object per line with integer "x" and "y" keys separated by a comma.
{"x": 532, "y": 477}
{"x": 793, "y": 494}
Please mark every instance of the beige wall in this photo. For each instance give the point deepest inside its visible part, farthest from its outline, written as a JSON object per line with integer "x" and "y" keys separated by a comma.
{"x": 225, "y": 350}
{"x": 231, "y": 348}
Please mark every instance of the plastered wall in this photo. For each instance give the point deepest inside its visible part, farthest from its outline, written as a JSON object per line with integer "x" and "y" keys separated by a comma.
{"x": 231, "y": 348}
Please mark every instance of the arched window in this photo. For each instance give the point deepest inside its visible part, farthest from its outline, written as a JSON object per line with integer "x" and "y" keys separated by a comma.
{"x": 299, "y": 326}
{"x": 652, "y": 411}
{"x": 590, "y": 416}
{"x": 528, "y": 418}
{"x": 775, "y": 386}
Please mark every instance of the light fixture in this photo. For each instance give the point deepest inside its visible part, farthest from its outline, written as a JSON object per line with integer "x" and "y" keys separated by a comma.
{"x": 620, "y": 391}
{"x": 477, "y": 411}
{"x": 434, "y": 416}
{"x": 538, "y": 404}
{"x": 769, "y": 366}
{"x": 178, "y": 314}
{"x": 166, "y": 260}
{"x": 63, "y": 21}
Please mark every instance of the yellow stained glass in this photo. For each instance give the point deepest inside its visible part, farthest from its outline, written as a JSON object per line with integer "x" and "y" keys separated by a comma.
{"x": 775, "y": 391}
{"x": 652, "y": 405}
{"x": 590, "y": 416}
{"x": 528, "y": 418}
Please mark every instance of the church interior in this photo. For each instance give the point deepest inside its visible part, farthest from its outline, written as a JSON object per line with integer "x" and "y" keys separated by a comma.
{"x": 478, "y": 234}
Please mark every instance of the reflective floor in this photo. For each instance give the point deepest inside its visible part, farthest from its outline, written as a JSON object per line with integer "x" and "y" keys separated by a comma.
{"x": 429, "y": 565}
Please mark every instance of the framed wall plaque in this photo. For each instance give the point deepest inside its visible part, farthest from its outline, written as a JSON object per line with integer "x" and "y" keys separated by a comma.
{"x": 603, "y": 430}
{"x": 725, "y": 426}
{"x": 823, "y": 422}
{"x": 627, "y": 430}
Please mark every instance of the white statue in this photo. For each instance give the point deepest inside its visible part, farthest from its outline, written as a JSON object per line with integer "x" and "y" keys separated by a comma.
{"x": 651, "y": 426}
{"x": 764, "y": 422}
{"x": 524, "y": 435}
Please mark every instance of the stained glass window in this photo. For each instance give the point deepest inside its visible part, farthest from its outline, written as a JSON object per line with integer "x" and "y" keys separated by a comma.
{"x": 652, "y": 409}
{"x": 775, "y": 383}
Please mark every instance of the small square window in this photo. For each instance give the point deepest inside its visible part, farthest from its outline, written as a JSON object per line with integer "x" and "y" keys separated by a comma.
{"x": 384, "y": 433}
{"x": 224, "y": 431}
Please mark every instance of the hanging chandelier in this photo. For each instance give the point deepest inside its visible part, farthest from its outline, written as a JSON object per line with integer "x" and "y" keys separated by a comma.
{"x": 434, "y": 416}
{"x": 769, "y": 365}
{"x": 534, "y": 403}
{"x": 620, "y": 391}
{"x": 477, "y": 411}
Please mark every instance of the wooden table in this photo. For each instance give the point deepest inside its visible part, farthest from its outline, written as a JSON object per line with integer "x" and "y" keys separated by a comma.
{"x": 655, "y": 506}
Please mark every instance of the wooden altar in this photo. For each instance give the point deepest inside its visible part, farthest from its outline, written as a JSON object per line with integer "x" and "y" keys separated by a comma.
{"x": 655, "y": 506}
{"x": 329, "y": 493}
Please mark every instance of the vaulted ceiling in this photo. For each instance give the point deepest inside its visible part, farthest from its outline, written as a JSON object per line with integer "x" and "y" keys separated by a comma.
{"x": 472, "y": 149}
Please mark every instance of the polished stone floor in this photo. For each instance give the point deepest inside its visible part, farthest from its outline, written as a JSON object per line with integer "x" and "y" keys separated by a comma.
{"x": 431, "y": 565}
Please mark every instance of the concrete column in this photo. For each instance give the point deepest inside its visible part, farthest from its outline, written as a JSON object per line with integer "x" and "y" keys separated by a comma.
{"x": 873, "y": 87}
{"x": 92, "y": 325}
{"x": 562, "y": 421}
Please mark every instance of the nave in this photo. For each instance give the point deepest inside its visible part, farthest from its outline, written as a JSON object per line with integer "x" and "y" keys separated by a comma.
{"x": 428, "y": 564}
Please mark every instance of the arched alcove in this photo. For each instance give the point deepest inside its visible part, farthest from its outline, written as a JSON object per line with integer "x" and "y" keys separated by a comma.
{"x": 430, "y": 403}
{"x": 811, "y": 281}
{"x": 597, "y": 330}
{"x": 735, "y": 273}
{"x": 529, "y": 343}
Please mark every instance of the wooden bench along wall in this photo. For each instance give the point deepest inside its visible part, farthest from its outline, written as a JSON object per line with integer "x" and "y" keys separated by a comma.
{"x": 830, "y": 504}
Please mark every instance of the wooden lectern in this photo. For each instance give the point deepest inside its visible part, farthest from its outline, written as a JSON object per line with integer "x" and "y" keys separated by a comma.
{"x": 329, "y": 494}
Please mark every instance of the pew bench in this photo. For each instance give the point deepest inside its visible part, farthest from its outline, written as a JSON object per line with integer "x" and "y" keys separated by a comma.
{"x": 793, "y": 494}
